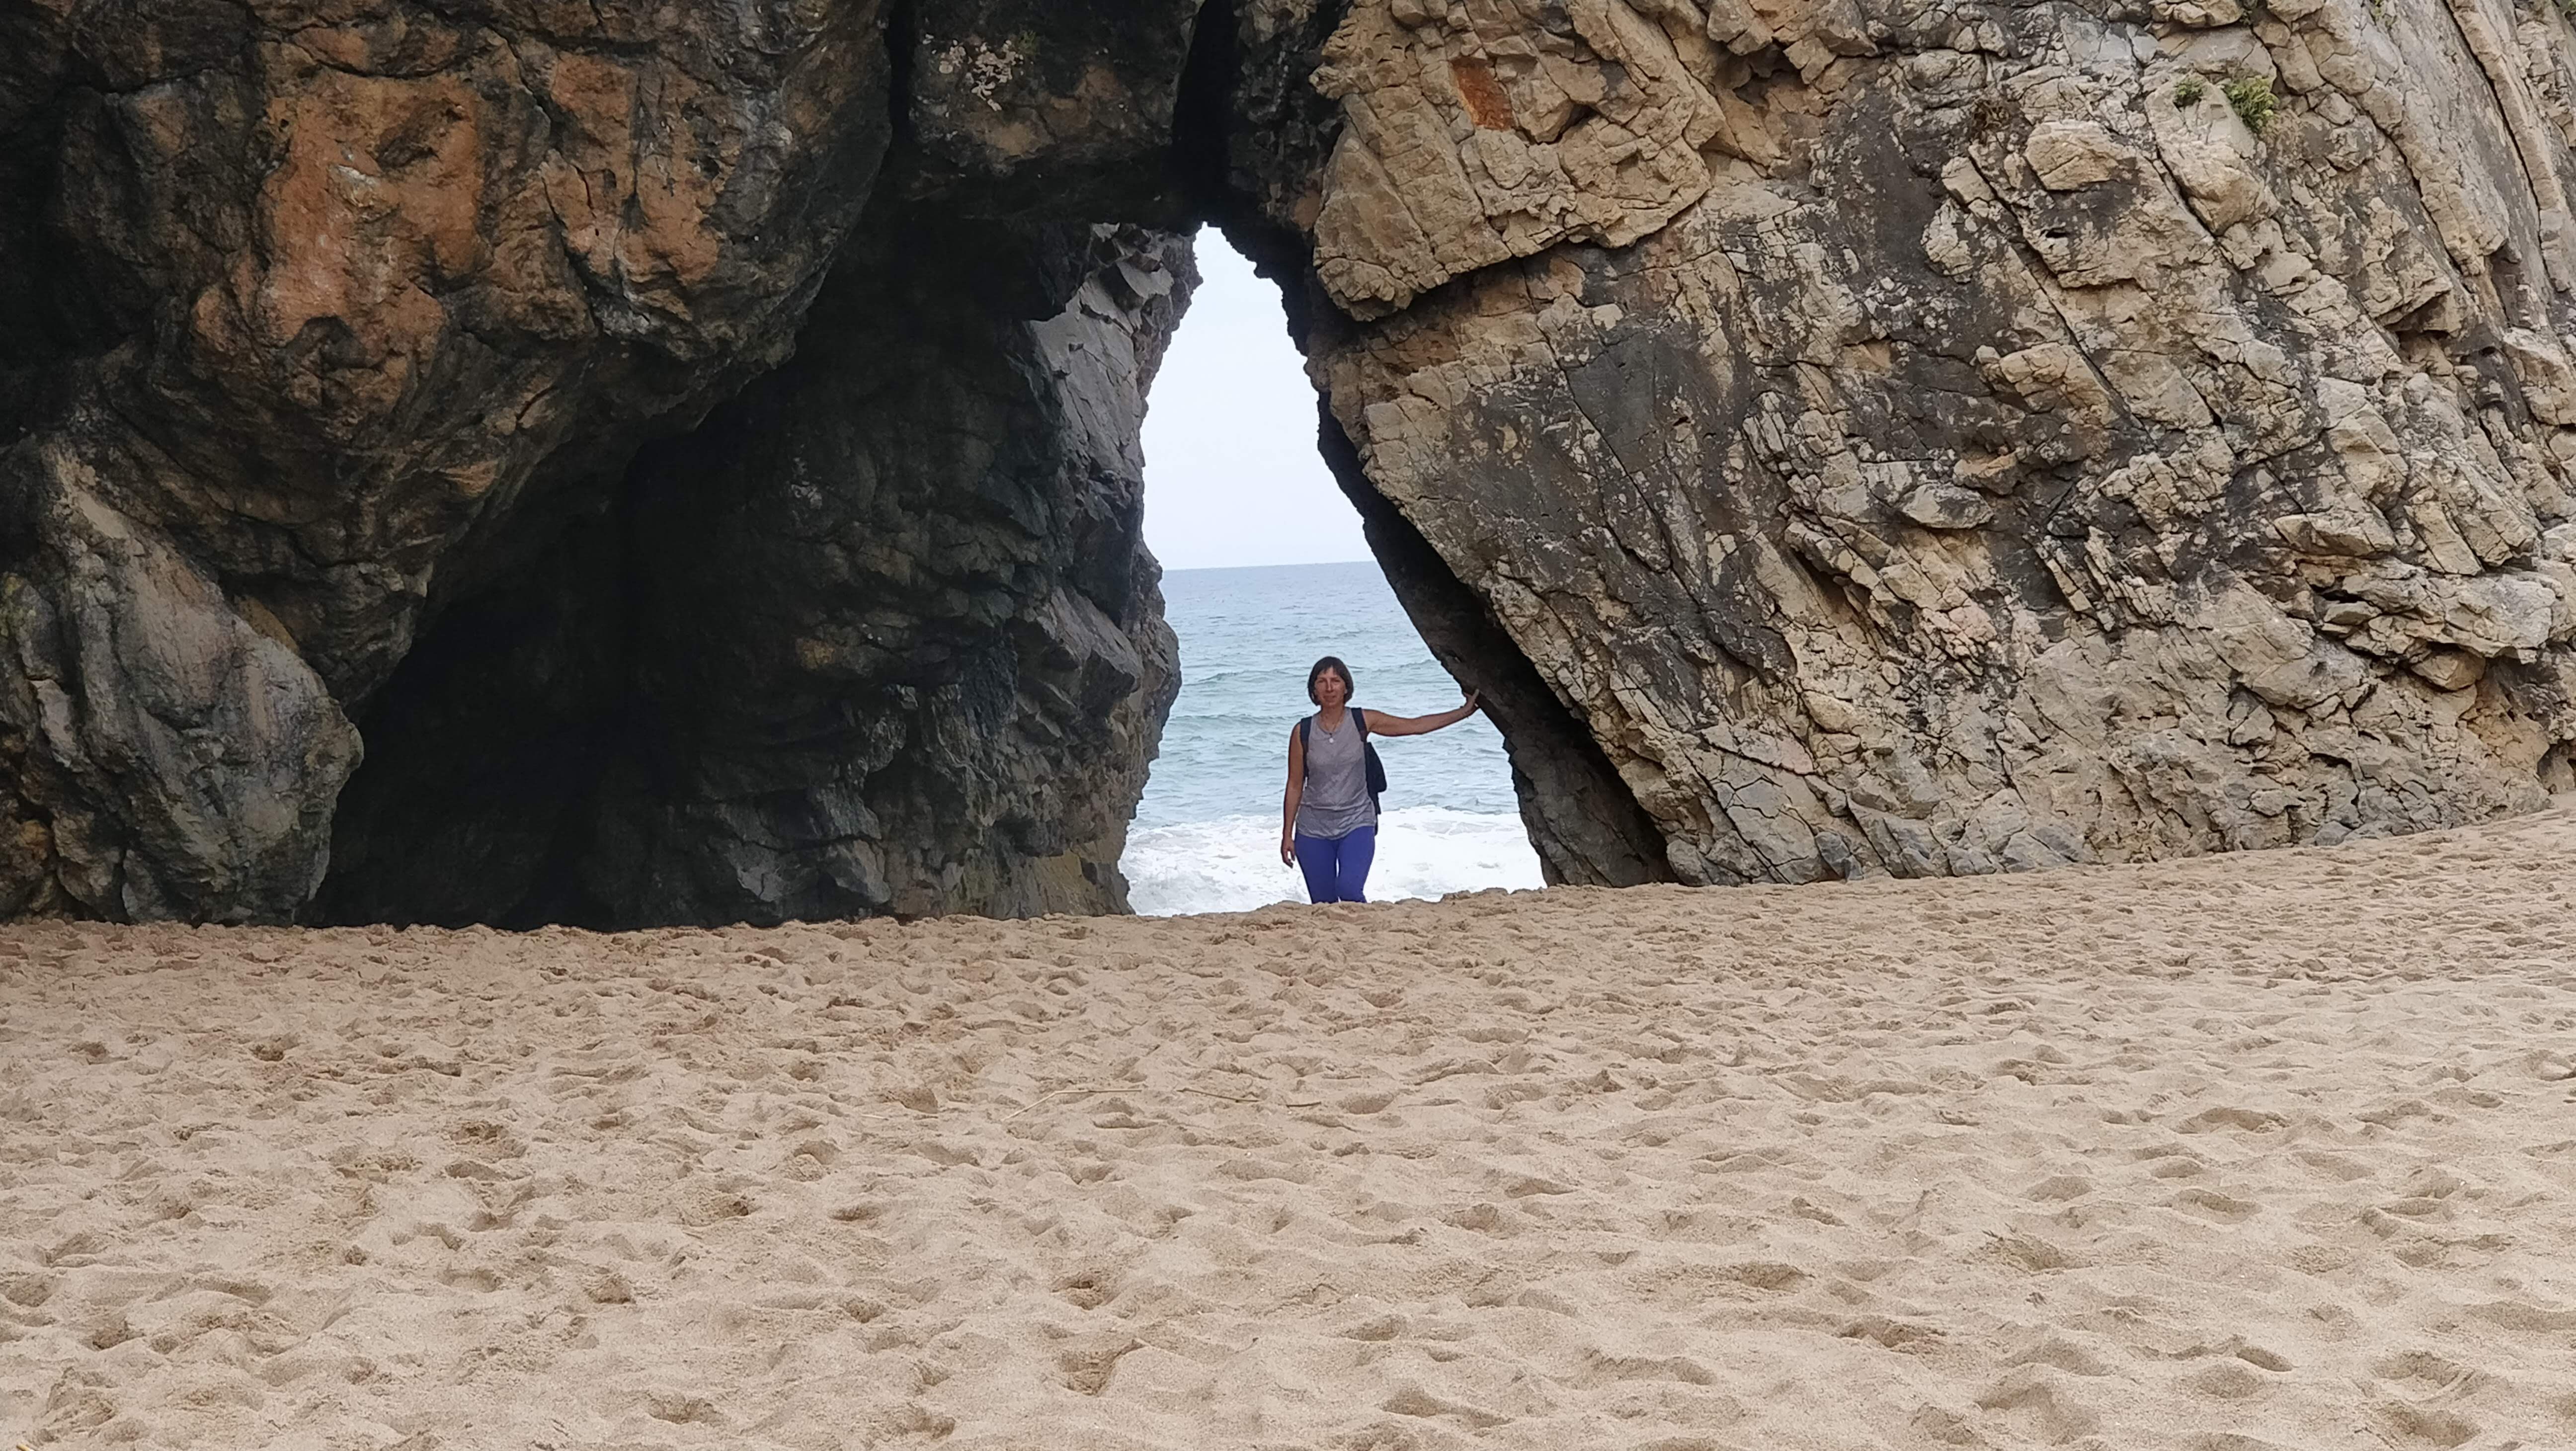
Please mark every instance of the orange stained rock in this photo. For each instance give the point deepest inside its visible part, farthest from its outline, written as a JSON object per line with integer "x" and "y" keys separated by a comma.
{"x": 1487, "y": 106}
{"x": 377, "y": 201}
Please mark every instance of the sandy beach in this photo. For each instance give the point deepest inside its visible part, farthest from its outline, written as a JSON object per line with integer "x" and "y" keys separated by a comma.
{"x": 2243, "y": 1152}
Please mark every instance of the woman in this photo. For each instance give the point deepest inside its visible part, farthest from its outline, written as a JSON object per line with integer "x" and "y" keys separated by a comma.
{"x": 1329, "y": 824}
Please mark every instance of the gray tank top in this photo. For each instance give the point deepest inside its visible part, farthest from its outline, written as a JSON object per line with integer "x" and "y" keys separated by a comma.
{"x": 1336, "y": 802}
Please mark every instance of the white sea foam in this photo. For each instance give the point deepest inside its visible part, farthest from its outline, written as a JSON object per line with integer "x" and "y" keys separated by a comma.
{"x": 1232, "y": 864}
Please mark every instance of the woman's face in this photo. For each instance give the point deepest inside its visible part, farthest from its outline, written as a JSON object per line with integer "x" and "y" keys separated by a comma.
{"x": 1331, "y": 688}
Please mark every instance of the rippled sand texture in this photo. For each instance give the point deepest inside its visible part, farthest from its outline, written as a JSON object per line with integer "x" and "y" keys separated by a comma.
{"x": 2258, "y": 1151}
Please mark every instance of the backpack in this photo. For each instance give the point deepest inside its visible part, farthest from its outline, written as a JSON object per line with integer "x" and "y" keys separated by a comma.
{"x": 1376, "y": 767}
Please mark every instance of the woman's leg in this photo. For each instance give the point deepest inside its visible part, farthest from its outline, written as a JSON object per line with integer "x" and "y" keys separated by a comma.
{"x": 1359, "y": 849}
{"x": 1320, "y": 859}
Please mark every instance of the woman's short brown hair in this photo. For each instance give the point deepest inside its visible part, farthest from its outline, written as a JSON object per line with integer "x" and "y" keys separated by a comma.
{"x": 1335, "y": 665}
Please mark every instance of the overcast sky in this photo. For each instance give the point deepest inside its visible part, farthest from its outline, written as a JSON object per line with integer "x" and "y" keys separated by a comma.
{"x": 1231, "y": 473}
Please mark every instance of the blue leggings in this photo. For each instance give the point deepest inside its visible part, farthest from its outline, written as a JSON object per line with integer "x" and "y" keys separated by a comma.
{"x": 1336, "y": 867}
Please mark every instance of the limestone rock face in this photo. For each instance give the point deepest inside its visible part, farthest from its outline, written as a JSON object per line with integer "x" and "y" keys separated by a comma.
{"x": 1953, "y": 438}
{"x": 689, "y": 453}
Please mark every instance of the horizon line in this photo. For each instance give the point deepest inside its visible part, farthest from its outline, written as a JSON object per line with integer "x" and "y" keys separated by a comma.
{"x": 1290, "y": 564}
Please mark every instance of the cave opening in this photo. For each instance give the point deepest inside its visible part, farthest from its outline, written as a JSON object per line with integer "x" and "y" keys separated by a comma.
{"x": 1266, "y": 566}
{"x": 871, "y": 627}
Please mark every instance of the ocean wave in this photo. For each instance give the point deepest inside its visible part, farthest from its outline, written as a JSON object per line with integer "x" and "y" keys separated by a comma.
{"x": 1231, "y": 864}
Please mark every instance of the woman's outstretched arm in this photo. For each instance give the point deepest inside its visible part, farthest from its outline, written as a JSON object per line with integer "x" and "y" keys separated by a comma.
{"x": 1296, "y": 792}
{"x": 1380, "y": 723}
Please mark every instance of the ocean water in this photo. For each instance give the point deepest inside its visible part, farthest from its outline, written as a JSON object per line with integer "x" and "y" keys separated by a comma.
{"x": 1206, "y": 836}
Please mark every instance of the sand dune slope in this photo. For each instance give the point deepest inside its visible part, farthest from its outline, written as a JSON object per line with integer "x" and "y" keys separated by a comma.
{"x": 2258, "y": 1151}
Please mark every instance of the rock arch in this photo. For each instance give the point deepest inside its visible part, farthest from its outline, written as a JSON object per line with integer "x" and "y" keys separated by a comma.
{"x": 689, "y": 453}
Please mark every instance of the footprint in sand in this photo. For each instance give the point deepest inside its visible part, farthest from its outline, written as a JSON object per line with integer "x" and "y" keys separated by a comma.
{"x": 1086, "y": 1366}
{"x": 2257, "y": 1356}
{"x": 2064, "y": 1354}
{"x": 2229, "y": 1380}
{"x": 2171, "y": 1161}
{"x": 2405, "y": 1425}
{"x": 2212, "y": 1205}
{"x": 2518, "y": 1315}
{"x": 1947, "y": 1428}
{"x": 1601, "y": 1369}
{"x": 2043, "y": 1397}
{"x": 699, "y": 1207}
{"x": 1896, "y": 1335}
{"x": 2245, "y": 1120}
{"x": 1087, "y": 1289}
{"x": 1378, "y": 1328}
{"x": 2333, "y": 1166}
{"x": 2421, "y": 1375}
{"x": 1413, "y": 1400}
{"x": 2059, "y": 1187}
{"x": 2030, "y": 1252}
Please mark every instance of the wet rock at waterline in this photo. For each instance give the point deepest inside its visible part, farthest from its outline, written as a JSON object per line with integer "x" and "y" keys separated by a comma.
{"x": 689, "y": 455}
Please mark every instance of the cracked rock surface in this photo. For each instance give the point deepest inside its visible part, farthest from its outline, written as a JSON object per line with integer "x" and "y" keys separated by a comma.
{"x": 331, "y": 303}
{"x": 1943, "y": 438}
{"x": 1845, "y": 437}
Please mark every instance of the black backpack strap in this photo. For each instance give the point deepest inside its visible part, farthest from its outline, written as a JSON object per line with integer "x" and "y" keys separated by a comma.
{"x": 1376, "y": 768}
{"x": 1361, "y": 716}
